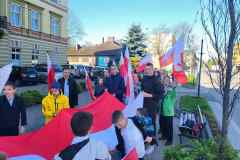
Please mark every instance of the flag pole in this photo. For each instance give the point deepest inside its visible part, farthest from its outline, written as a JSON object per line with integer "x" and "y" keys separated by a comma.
{"x": 200, "y": 70}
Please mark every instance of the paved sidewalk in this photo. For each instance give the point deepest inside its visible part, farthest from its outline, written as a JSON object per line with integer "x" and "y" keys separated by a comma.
{"x": 233, "y": 130}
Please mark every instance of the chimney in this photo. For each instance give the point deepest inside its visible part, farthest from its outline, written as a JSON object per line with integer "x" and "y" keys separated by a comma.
{"x": 102, "y": 39}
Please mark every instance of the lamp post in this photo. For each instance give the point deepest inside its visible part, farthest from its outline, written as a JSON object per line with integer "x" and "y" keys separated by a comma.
{"x": 200, "y": 70}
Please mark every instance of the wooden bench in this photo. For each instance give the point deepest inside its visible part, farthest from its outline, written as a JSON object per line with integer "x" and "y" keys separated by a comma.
{"x": 191, "y": 125}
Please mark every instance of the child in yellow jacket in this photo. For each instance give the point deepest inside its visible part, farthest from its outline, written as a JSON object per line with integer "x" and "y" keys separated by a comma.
{"x": 54, "y": 102}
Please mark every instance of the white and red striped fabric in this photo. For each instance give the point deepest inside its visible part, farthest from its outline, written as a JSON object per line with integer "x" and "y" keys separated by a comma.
{"x": 51, "y": 72}
{"x": 132, "y": 155}
{"x": 126, "y": 73}
{"x": 56, "y": 135}
{"x": 174, "y": 58}
{"x": 145, "y": 60}
{"x": 5, "y": 72}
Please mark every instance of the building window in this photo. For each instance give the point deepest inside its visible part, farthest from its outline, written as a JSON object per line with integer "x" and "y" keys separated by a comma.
{"x": 55, "y": 25}
{"x": 35, "y": 20}
{"x": 16, "y": 14}
{"x": 35, "y": 54}
{"x": 16, "y": 50}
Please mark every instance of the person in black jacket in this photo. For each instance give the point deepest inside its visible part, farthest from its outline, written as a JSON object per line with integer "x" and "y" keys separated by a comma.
{"x": 12, "y": 112}
{"x": 153, "y": 91}
{"x": 99, "y": 88}
{"x": 69, "y": 87}
{"x": 115, "y": 83}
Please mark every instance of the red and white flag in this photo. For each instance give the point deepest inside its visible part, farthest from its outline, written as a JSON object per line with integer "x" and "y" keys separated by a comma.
{"x": 89, "y": 85}
{"x": 51, "y": 72}
{"x": 132, "y": 155}
{"x": 5, "y": 72}
{"x": 174, "y": 57}
{"x": 167, "y": 58}
{"x": 145, "y": 60}
{"x": 126, "y": 73}
{"x": 57, "y": 134}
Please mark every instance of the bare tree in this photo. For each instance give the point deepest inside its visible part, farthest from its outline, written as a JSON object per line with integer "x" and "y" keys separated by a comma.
{"x": 75, "y": 29}
{"x": 221, "y": 22}
{"x": 160, "y": 40}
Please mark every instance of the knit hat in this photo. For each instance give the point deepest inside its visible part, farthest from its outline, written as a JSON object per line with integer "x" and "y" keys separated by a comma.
{"x": 56, "y": 85}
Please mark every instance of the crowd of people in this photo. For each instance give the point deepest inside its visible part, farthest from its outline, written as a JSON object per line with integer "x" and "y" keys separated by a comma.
{"x": 139, "y": 132}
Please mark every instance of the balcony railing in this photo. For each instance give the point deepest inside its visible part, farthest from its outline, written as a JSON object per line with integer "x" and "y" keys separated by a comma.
{"x": 30, "y": 33}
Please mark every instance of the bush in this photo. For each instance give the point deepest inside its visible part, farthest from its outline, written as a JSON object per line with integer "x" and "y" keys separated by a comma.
{"x": 199, "y": 150}
{"x": 31, "y": 97}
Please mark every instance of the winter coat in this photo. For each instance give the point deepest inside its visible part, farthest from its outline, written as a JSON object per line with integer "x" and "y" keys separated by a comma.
{"x": 115, "y": 85}
{"x": 169, "y": 103}
{"x": 10, "y": 115}
{"x": 73, "y": 91}
{"x": 51, "y": 106}
{"x": 152, "y": 85}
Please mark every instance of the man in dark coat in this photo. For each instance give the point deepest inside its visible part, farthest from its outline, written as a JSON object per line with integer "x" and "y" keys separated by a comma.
{"x": 153, "y": 91}
{"x": 115, "y": 83}
{"x": 12, "y": 112}
{"x": 69, "y": 87}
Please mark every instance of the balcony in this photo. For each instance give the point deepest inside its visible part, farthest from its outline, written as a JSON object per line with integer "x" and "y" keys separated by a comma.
{"x": 38, "y": 35}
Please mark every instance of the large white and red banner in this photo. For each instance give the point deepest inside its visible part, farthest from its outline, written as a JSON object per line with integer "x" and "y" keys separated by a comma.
{"x": 56, "y": 135}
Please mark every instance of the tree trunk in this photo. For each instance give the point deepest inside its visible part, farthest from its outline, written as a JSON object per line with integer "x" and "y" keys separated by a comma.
{"x": 228, "y": 77}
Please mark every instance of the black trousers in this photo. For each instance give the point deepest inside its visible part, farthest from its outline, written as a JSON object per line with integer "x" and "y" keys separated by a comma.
{"x": 161, "y": 123}
{"x": 11, "y": 131}
{"x": 168, "y": 128}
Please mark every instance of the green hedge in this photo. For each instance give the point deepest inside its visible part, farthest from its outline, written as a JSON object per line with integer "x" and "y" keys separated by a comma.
{"x": 190, "y": 103}
{"x": 31, "y": 97}
{"x": 199, "y": 150}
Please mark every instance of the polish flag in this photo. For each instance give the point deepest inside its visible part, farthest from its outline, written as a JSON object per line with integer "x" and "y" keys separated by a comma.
{"x": 57, "y": 135}
{"x": 5, "y": 72}
{"x": 174, "y": 59}
{"x": 126, "y": 73}
{"x": 132, "y": 155}
{"x": 146, "y": 59}
{"x": 51, "y": 72}
{"x": 89, "y": 85}
{"x": 167, "y": 58}
{"x": 178, "y": 71}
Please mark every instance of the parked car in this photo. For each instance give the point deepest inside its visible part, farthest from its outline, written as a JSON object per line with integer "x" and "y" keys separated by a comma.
{"x": 23, "y": 75}
{"x": 43, "y": 72}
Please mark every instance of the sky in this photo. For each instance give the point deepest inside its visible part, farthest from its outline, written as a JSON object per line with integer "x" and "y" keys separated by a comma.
{"x": 104, "y": 18}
